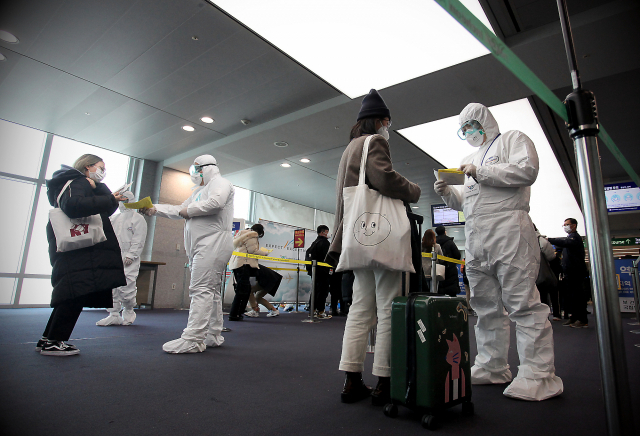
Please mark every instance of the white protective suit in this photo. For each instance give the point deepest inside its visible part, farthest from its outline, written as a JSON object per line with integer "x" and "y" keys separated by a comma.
{"x": 209, "y": 244}
{"x": 131, "y": 230}
{"x": 502, "y": 258}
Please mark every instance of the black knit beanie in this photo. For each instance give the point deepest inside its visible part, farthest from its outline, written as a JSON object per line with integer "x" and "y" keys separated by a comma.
{"x": 373, "y": 106}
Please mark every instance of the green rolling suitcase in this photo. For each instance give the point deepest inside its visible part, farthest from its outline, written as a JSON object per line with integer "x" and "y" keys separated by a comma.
{"x": 430, "y": 369}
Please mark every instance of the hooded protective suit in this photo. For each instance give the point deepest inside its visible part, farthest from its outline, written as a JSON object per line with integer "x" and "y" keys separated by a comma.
{"x": 131, "y": 231}
{"x": 209, "y": 244}
{"x": 502, "y": 259}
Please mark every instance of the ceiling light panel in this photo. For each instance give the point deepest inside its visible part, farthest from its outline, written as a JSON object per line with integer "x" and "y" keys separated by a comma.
{"x": 551, "y": 198}
{"x": 407, "y": 38}
{"x": 207, "y": 120}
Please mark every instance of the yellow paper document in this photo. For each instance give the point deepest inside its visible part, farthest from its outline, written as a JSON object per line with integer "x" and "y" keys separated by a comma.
{"x": 145, "y": 202}
{"x": 451, "y": 176}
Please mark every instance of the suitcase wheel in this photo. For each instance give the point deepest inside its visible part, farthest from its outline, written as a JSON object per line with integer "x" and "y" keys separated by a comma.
{"x": 467, "y": 409}
{"x": 391, "y": 410}
{"x": 429, "y": 422}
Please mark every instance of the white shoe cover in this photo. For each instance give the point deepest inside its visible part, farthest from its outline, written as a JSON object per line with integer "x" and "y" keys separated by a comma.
{"x": 180, "y": 346}
{"x": 480, "y": 376}
{"x": 112, "y": 319}
{"x": 213, "y": 340}
{"x": 128, "y": 316}
{"x": 531, "y": 389}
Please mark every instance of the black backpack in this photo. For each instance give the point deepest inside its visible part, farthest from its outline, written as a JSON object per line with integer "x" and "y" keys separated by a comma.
{"x": 308, "y": 256}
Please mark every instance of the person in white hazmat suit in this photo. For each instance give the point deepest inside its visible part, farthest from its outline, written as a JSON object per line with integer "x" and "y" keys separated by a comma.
{"x": 131, "y": 230}
{"x": 503, "y": 257}
{"x": 209, "y": 243}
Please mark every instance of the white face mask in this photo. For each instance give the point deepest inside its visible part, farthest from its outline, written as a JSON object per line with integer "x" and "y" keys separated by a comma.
{"x": 197, "y": 178}
{"x": 567, "y": 229}
{"x": 476, "y": 139}
{"x": 98, "y": 175}
{"x": 384, "y": 132}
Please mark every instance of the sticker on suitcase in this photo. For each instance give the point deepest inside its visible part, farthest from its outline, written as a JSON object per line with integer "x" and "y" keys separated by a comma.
{"x": 455, "y": 382}
{"x": 421, "y": 331}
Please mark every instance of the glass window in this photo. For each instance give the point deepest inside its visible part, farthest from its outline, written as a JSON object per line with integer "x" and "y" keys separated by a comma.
{"x": 38, "y": 258}
{"x": 29, "y": 142}
{"x": 17, "y": 197}
{"x": 66, "y": 151}
{"x": 7, "y": 286}
{"x": 241, "y": 203}
{"x": 36, "y": 291}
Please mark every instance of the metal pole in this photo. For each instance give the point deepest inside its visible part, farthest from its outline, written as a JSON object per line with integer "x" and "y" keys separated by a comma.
{"x": 313, "y": 293}
{"x": 184, "y": 285}
{"x": 613, "y": 362}
{"x": 434, "y": 279}
{"x": 636, "y": 289}
{"x": 582, "y": 123}
{"x": 298, "y": 282}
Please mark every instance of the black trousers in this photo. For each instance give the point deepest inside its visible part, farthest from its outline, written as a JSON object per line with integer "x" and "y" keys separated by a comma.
{"x": 335, "y": 288}
{"x": 575, "y": 298}
{"x": 549, "y": 296}
{"x": 322, "y": 289}
{"x": 62, "y": 320}
{"x": 243, "y": 290}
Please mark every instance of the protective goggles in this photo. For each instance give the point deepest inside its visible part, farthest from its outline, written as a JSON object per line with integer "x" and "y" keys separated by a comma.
{"x": 194, "y": 170}
{"x": 469, "y": 128}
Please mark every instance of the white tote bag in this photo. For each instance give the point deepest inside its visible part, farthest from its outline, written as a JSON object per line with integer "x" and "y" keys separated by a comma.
{"x": 375, "y": 229}
{"x": 75, "y": 233}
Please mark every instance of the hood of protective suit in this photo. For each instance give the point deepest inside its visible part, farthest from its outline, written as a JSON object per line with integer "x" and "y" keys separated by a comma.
{"x": 208, "y": 172}
{"x": 480, "y": 113}
{"x": 131, "y": 199}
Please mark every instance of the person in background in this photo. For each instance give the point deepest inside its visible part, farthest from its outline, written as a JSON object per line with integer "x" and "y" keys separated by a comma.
{"x": 318, "y": 251}
{"x": 451, "y": 283}
{"x": 209, "y": 243}
{"x": 548, "y": 294}
{"x": 347, "y": 290}
{"x": 86, "y": 276}
{"x": 246, "y": 241}
{"x": 335, "y": 289}
{"x": 373, "y": 289}
{"x": 131, "y": 230}
{"x": 574, "y": 271}
{"x": 428, "y": 242}
{"x": 503, "y": 256}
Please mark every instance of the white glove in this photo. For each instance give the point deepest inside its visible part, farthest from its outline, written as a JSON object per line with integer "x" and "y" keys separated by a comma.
{"x": 469, "y": 170}
{"x": 441, "y": 187}
{"x": 128, "y": 261}
{"x": 149, "y": 211}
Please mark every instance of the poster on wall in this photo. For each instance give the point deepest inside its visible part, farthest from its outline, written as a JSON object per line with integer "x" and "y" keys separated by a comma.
{"x": 625, "y": 284}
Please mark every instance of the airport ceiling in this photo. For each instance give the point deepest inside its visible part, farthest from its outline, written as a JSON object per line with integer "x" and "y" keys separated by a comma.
{"x": 126, "y": 75}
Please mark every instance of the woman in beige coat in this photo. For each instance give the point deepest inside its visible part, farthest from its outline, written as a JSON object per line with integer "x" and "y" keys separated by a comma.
{"x": 246, "y": 241}
{"x": 373, "y": 289}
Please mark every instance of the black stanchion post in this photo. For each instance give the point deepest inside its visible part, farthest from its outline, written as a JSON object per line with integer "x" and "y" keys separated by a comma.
{"x": 314, "y": 264}
{"x": 434, "y": 278}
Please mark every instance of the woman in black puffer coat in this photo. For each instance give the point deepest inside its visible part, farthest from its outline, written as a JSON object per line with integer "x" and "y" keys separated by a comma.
{"x": 83, "y": 277}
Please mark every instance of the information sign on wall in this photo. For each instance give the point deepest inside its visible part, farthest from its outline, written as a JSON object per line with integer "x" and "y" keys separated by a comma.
{"x": 625, "y": 284}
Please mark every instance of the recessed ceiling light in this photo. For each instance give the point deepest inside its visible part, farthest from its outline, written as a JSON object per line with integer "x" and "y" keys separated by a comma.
{"x": 87, "y": 113}
{"x": 188, "y": 128}
{"x": 207, "y": 120}
{"x": 280, "y": 144}
{"x": 415, "y": 207}
{"x": 305, "y": 160}
{"x": 245, "y": 122}
{"x": 285, "y": 165}
{"x": 8, "y": 37}
{"x": 195, "y": 38}
{"x": 2, "y": 58}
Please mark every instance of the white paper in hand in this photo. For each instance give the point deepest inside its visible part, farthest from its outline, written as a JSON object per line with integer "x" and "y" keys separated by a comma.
{"x": 451, "y": 176}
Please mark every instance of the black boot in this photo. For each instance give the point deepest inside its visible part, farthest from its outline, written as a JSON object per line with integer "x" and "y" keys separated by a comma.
{"x": 381, "y": 395}
{"x": 354, "y": 388}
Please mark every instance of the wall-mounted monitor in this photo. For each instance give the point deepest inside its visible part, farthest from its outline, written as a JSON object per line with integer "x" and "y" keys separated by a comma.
{"x": 622, "y": 197}
{"x": 441, "y": 215}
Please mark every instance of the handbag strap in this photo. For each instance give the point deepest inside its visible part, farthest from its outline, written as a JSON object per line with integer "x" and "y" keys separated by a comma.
{"x": 63, "y": 189}
{"x": 363, "y": 161}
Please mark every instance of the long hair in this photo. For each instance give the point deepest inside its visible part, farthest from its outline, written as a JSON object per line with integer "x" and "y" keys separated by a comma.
{"x": 428, "y": 241}
{"x": 86, "y": 160}
{"x": 366, "y": 126}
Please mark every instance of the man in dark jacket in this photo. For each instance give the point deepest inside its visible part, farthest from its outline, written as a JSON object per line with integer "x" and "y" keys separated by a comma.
{"x": 574, "y": 271}
{"x": 318, "y": 251}
{"x": 451, "y": 284}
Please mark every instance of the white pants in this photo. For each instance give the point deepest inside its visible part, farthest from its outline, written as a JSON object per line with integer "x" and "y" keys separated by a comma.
{"x": 205, "y": 312}
{"x": 373, "y": 293}
{"x": 125, "y": 296}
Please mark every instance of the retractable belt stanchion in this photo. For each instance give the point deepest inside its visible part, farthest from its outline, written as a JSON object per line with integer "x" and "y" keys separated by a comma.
{"x": 184, "y": 285}
{"x": 313, "y": 293}
{"x": 583, "y": 127}
{"x": 434, "y": 278}
{"x": 297, "y": 288}
{"x": 635, "y": 280}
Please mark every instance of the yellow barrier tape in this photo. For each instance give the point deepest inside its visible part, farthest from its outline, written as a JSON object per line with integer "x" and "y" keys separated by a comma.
{"x": 445, "y": 258}
{"x": 277, "y": 259}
